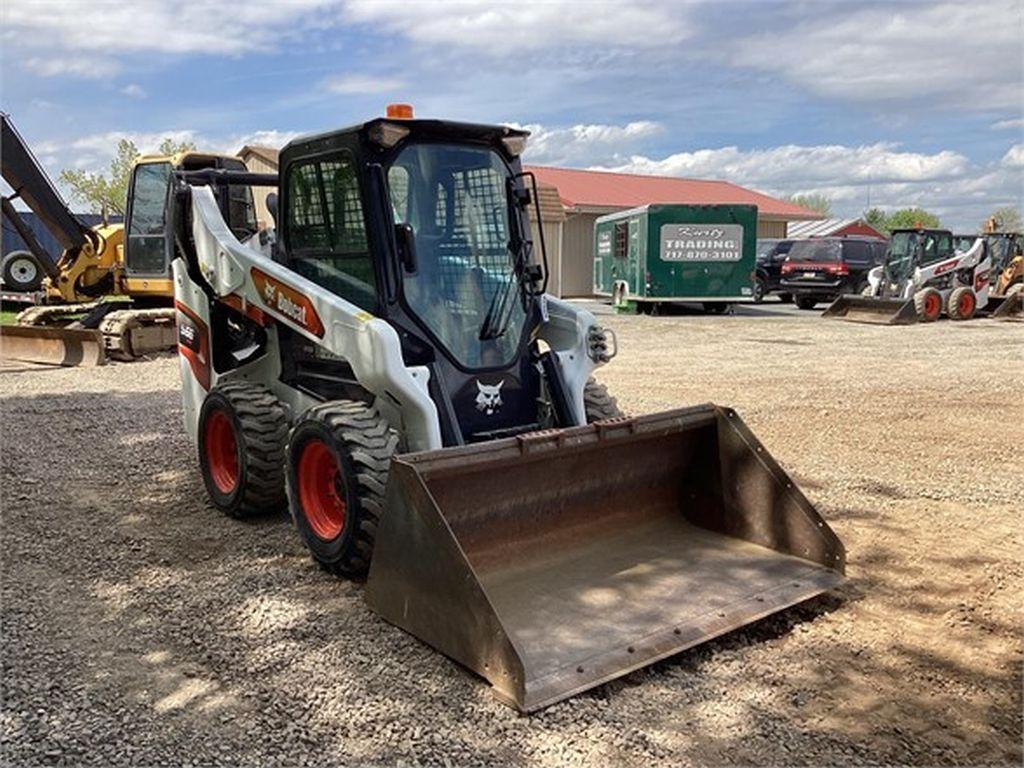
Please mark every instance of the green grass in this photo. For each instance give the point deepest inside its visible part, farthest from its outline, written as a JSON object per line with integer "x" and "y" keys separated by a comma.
{"x": 7, "y": 317}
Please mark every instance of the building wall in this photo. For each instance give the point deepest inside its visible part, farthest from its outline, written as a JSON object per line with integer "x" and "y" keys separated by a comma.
{"x": 859, "y": 228}
{"x": 257, "y": 164}
{"x": 578, "y": 254}
{"x": 771, "y": 228}
{"x": 552, "y": 246}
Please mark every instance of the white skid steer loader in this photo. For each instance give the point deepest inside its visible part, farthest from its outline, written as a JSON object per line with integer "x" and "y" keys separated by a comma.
{"x": 388, "y": 366}
{"x": 922, "y": 278}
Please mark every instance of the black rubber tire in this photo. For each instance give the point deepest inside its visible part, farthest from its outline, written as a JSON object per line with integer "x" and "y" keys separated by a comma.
{"x": 760, "y": 290}
{"x": 953, "y": 304}
{"x": 13, "y": 281}
{"x": 785, "y": 298}
{"x": 806, "y": 302}
{"x": 920, "y": 303}
{"x": 362, "y": 444}
{"x": 598, "y": 404}
{"x": 260, "y": 427}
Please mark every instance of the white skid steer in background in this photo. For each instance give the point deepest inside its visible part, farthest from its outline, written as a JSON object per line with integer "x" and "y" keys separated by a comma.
{"x": 923, "y": 277}
{"x": 389, "y": 367}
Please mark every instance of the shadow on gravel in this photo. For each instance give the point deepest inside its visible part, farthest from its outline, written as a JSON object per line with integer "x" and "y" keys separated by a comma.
{"x": 140, "y": 625}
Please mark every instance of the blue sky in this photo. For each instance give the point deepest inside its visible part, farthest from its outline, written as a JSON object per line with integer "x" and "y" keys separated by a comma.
{"x": 902, "y": 103}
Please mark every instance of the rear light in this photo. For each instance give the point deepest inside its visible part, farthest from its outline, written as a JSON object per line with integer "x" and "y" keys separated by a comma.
{"x": 787, "y": 268}
{"x": 838, "y": 269}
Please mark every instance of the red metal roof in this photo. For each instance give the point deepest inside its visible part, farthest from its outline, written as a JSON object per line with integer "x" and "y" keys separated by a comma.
{"x": 604, "y": 190}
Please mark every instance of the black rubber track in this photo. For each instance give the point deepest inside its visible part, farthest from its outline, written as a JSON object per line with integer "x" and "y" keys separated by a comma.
{"x": 261, "y": 431}
{"x": 365, "y": 444}
{"x": 598, "y": 404}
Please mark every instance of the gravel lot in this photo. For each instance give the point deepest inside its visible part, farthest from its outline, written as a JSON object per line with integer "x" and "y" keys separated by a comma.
{"x": 140, "y": 626}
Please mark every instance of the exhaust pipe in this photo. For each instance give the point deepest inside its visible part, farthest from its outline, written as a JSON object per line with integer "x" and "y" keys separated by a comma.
{"x": 555, "y": 561}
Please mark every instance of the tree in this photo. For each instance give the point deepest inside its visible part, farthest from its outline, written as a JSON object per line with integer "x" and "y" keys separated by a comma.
{"x": 109, "y": 192}
{"x": 877, "y": 218}
{"x": 1007, "y": 219}
{"x": 813, "y": 201}
{"x": 909, "y": 218}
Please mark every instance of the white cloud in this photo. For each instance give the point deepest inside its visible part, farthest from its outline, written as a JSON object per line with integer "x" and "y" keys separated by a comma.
{"x": 1005, "y": 125}
{"x": 507, "y": 27}
{"x": 361, "y": 84}
{"x": 794, "y": 166}
{"x": 89, "y": 68}
{"x": 108, "y": 28}
{"x": 134, "y": 91}
{"x": 883, "y": 173}
{"x": 1014, "y": 157}
{"x": 908, "y": 53}
{"x": 587, "y": 144}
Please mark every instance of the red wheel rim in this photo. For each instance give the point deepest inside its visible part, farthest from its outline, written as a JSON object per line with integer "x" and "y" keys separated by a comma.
{"x": 965, "y": 306}
{"x": 323, "y": 502}
{"x": 932, "y": 305}
{"x": 221, "y": 451}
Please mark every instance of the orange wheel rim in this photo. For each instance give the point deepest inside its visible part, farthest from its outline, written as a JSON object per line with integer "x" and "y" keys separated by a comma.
{"x": 321, "y": 494}
{"x": 221, "y": 451}
{"x": 932, "y": 305}
{"x": 966, "y": 304}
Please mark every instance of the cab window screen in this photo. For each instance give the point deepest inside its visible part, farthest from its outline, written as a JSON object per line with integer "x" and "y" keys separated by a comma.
{"x": 326, "y": 233}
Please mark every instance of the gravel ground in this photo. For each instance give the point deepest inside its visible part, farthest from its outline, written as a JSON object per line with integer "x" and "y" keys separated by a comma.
{"x": 141, "y": 627}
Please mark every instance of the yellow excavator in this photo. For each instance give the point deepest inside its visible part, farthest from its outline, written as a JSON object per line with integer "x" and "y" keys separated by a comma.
{"x": 109, "y": 294}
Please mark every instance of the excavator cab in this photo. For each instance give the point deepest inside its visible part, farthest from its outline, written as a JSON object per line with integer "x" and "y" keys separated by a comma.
{"x": 147, "y": 252}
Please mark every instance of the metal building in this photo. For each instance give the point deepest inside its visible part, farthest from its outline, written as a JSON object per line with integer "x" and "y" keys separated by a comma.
{"x": 832, "y": 228}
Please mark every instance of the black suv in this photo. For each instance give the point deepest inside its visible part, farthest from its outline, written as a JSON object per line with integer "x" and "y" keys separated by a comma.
{"x": 822, "y": 268}
{"x": 770, "y": 255}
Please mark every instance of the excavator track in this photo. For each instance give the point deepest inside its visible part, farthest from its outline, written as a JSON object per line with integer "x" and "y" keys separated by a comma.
{"x": 89, "y": 334}
{"x": 54, "y": 314}
{"x": 131, "y": 333}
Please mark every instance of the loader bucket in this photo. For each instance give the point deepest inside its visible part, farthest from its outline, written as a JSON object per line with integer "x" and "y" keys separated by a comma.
{"x": 1008, "y": 307}
{"x": 556, "y": 561}
{"x": 56, "y": 346}
{"x": 868, "y": 309}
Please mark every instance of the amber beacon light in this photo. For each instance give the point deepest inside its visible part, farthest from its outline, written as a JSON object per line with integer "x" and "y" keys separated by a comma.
{"x": 399, "y": 111}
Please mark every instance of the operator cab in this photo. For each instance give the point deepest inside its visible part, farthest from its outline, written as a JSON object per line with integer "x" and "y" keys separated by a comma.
{"x": 423, "y": 223}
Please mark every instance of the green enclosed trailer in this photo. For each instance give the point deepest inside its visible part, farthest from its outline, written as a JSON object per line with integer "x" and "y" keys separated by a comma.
{"x": 676, "y": 253}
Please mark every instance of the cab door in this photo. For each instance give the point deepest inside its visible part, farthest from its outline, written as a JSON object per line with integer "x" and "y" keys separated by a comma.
{"x": 146, "y": 247}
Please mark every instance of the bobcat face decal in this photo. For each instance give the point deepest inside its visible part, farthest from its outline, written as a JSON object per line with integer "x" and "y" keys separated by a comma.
{"x": 488, "y": 398}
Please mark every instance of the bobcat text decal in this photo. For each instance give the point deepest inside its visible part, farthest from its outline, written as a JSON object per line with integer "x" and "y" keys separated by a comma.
{"x": 287, "y": 302}
{"x": 943, "y": 268}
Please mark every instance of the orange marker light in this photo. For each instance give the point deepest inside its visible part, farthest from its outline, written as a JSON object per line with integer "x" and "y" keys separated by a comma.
{"x": 399, "y": 111}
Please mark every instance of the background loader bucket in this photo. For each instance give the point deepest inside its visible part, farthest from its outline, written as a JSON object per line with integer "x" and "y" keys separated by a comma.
{"x": 1009, "y": 307}
{"x": 56, "y": 346}
{"x": 868, "y": 309}
{"x": 555, "y": 561}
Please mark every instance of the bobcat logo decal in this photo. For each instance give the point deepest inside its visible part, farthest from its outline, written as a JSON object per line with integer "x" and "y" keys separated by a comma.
{"x": 488, "y": 398}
